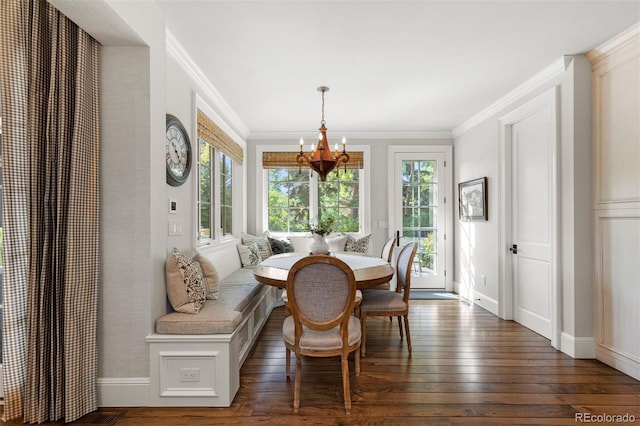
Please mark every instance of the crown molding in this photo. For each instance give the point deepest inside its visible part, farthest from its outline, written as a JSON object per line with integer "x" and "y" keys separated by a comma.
{"x": 310, "y": 136}
{"x": 618, "y": 42}
{"x": 555, "y": 69}
{"x": 220, "y": 105}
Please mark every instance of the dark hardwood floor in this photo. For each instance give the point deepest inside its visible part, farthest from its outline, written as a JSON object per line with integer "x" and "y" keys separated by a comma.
{"x": 467, "y": 367}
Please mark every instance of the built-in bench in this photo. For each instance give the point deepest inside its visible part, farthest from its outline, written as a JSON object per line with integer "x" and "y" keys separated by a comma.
{"x": 195, "y": 360}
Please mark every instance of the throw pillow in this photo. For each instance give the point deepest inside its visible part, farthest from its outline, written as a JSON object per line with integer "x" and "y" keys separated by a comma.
{"x": 185, "y": 286}
{"x": 279, "y": 246}
{"x": 249, "y": 256}
{"x": 211, "y": 277}
{"x": 263, "y": 246}
{"x": 301, "y": 243}
{"x": 337, "y": 243}
{"x": 357, "y": 245}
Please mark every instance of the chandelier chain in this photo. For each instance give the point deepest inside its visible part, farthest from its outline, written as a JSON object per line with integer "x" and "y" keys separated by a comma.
{"x": 322, "y": 121}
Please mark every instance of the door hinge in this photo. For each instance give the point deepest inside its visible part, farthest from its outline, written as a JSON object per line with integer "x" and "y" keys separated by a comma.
{"x": 445, "y": 163}
{"x": 445, "y": 272}
{"x": 445, "y": 237}
{"x": 445, "y": 200}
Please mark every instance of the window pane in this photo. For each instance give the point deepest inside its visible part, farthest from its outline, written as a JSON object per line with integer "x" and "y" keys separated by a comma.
{"x": 339, "y": 197}
{"x": 226, "y": 190}
{"x": 205, "y": 185}
{"x": 288, "y": 200}
{"x": 298, "y": 220}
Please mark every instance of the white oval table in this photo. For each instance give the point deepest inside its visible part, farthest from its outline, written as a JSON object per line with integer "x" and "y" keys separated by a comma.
{"x": 368, "y": 271}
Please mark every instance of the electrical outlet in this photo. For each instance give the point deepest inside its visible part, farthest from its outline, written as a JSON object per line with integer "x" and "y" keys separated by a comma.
{"x": 189, "y": 374}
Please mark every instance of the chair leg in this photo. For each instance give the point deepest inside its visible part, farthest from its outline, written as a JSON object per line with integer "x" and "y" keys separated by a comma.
{"x": 363, "y": 332}
{"x": 288, "y": 363}
{"x": 357, "y": 356}
{"x": 296, "y": 390}
{"x": 400, "y": 326}
{"x": 345, "y": 383}
{"x": 406, "y": 326}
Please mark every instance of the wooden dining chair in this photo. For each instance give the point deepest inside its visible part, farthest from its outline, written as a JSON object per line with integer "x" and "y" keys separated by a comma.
{"x": 391, "y": 303}
{"x": 321, "y": 294}
{"x": 386, "y": 254}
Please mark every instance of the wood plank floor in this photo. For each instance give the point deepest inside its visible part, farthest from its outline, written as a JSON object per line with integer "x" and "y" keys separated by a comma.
{"x": 467, "y": 367}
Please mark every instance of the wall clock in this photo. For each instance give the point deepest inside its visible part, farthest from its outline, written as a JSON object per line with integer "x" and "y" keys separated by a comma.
{"x": 178, "y": 152}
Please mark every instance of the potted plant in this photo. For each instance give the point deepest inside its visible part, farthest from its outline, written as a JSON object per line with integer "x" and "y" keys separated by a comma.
{"x": 319, "y": 232}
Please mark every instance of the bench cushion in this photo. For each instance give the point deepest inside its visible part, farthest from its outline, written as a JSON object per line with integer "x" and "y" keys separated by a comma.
{"x": 220, "y": 316}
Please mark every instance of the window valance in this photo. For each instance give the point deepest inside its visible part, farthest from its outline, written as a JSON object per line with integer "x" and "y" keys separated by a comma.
{"x": 209, "y": 132}
{"x": 278, "y": 160}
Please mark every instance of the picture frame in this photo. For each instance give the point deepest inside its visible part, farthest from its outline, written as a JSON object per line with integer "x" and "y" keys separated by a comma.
{"x": 472, "y": 200}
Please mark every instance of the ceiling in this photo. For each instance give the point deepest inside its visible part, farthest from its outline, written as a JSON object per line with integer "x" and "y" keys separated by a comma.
{"x": 393, "y": 67}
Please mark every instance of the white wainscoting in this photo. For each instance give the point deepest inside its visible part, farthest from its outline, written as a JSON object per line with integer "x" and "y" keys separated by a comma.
{"x": 616, "y": 200}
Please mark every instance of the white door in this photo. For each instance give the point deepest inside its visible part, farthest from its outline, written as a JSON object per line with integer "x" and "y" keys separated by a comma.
{"x": 418, "y": 202}
{"x": 532, "y": 144}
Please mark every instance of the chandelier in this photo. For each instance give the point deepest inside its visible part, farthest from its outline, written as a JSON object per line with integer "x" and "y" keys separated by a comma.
{"x": 322, "y": 160}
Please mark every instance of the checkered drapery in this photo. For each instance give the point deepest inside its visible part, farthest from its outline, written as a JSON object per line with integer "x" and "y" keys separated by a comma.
{"x": 49, "y": 94}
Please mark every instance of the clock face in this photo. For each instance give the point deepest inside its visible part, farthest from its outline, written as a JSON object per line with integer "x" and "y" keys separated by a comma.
{"x": 178, "y": 152}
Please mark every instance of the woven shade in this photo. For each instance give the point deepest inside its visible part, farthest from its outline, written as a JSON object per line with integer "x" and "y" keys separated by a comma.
{"x": 209, "y": 132}
{"x": 280, "y": 160}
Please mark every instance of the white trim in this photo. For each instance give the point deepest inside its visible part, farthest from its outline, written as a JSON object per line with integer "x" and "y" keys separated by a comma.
{"x": 485, "y": 302}
{"x": 239, "y": 179}
{"x": 541, "y": 78}
{"x": 261, "y": 185}
{"x": 265, "y": 136}
{"x": 620, "y": 41}
{"x": 123, "y": 392}
{"x": 548, "y": 99}
{"x": 618, "y": 361}
{"x": 578, "y": 347}
{"x": 177, "y": 52}
{"x": 447, "y": 150}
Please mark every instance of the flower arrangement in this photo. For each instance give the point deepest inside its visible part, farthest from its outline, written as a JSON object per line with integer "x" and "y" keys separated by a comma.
{"x": 324, "y": 227}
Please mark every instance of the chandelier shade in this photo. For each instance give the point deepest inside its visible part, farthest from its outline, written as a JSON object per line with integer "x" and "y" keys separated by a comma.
{"x": 322, "y": 160}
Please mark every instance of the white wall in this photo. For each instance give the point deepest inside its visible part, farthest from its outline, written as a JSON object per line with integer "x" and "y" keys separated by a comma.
{"x": 477, "y": 246}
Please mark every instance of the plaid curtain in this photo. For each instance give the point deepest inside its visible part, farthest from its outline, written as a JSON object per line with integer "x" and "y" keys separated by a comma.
{"x": 49, "y": 71}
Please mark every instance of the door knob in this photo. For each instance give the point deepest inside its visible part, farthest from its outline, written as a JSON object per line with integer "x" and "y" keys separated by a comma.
{"x": 514, "y": 249}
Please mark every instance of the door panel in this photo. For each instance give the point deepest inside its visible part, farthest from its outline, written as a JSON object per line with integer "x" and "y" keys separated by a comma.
{"x": 531, "y": 219}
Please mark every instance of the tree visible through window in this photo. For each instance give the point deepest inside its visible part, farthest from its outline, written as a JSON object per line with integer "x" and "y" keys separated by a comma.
{"x": 294, "y": 197}
{"x": 339, "y": 198}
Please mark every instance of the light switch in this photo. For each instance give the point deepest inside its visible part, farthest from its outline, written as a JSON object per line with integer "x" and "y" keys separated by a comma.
{"x": 175, "y": 227}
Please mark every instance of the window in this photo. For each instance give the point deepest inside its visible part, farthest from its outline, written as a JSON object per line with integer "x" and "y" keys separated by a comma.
{"x": 294, "y": 197}
{"x": 226, "y": 186}
{"x": 208, "y": 158}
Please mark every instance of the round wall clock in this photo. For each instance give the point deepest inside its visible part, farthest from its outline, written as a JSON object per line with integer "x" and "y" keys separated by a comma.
{"x": 178, "y": 152}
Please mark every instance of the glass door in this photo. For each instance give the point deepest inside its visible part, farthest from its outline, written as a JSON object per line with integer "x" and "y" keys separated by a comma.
{"x": 420, "y": 214}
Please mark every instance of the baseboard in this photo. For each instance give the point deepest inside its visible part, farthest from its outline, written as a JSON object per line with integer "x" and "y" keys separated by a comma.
{"x": 618, "y": 361}
{"x": 578, "y": 347}
{"x": 123, "y": 392}
{"x": 486, "y": 302}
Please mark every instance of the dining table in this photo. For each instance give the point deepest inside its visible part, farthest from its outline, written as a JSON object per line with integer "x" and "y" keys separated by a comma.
{"x": 369, "y": 271}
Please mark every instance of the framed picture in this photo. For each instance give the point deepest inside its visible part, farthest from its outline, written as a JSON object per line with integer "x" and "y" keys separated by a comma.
{"x": 472, "y": 198}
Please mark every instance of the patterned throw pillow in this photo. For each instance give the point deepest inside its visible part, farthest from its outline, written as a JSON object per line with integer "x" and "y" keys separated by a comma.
{"x": 279, "y": 246}
{"x": 210, "y": 276}
{"x": 186, "y": 288}
{"x": 262, "y": 243}
{"x": 360, "y": 245}
{"x": 249, "y": 256}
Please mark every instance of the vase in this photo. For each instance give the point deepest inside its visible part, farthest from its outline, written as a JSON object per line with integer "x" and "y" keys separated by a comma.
{"x": 319, "y": 245}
